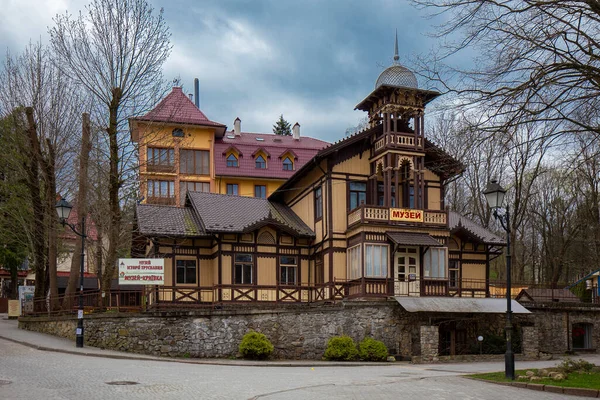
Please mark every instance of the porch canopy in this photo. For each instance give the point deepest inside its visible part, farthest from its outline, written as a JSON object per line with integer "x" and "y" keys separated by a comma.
{"x": 413, "y": 239}
{"x": 458, "y": 305}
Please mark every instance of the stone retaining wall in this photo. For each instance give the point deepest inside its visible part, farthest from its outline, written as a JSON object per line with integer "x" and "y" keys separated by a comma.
{"x": 554, "y": 322}
{"x": 296, "y": 333}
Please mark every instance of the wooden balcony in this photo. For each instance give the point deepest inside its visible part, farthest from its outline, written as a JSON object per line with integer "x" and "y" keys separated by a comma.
{"x": 165, "y": 201}
{"x": 395, "y": 140}
{"x": 158, "y": 168}
{"x": 366, "y": 214}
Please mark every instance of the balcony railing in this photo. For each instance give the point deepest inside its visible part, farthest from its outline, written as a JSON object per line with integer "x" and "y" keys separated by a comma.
{"x": 375, "y": 214}
{"x": 159, "y": 168}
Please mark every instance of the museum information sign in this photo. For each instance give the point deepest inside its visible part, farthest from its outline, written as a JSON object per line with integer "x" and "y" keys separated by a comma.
{"x": 406, "y": 215}
{"x": 141, "y": 271}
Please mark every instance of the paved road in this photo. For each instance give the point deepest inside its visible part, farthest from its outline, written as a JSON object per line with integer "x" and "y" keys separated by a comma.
{"x": 36, "y": 374}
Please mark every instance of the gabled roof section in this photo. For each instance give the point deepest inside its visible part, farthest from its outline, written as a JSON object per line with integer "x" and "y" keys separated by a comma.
{"x": 158, "y": 220}
{"x": 177, "y": 108}
{"x": 233, "y": 148}
{"x": 440, "y": 162}
{"x": 540, "y": 295}
{"x": 304, "y": 149}
{"x": 384, "y": 90}
{"x": 458, "y": 223}
{"x": 289, "y": 151}
{"x": 222, "y": 213}
{"x": 259, "y": 150}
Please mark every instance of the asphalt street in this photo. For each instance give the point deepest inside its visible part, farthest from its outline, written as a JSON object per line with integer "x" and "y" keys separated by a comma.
{"x": 28, "y": 373}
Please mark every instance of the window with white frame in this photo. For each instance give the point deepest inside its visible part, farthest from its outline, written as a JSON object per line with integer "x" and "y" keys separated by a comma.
{"x": 376, "y": 260}
{"x": 353, "y": 254}
{"x": 434, "y": 262}
{"x": 243, "y": 269}
{"x": 288, "y": 267}
{"x": 186, "y": 271}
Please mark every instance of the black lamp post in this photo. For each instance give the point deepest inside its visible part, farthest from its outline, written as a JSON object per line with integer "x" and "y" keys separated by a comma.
{"x": 63, "y": 208}
{"x": 494, "y": 194}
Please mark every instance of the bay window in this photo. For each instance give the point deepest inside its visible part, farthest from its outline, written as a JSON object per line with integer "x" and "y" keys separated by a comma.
{"x": 434, "y": 262}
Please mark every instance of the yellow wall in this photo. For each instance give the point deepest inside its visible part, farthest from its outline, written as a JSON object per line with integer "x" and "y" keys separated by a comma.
{"x": 355, "y": 165}
{"x": 473, "y": 271}
{"x": 160, "y": 135}
{"x": 433, "y": 199}
{"x": 266, "y": 271}
{"x": 246, "y": 186}
{"x": 339, "y": 265}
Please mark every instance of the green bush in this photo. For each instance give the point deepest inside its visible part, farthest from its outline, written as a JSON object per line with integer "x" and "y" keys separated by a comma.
{"x": 255, "y": 346}
{"x": 372, "y": 350}
{"x": 340, "y": 348}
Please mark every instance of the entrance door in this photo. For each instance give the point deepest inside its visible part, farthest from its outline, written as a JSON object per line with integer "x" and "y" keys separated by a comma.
{"x": 406, "y": 267}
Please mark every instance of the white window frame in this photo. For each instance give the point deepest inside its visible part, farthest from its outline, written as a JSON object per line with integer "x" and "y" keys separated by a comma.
{"x": 354, "y": 261}
{"x": 435, "y": 263}
{"x": 375, "y": 252}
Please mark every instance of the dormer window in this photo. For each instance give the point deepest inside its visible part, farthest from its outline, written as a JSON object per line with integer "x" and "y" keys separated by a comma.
{"x": 288, "y": 164}
{"x": 232, "y": 160}
{"x": 260, "y": 162}
{"x": 177, "y": 132}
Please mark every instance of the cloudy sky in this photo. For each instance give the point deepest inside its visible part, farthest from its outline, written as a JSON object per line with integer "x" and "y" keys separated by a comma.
{"x": 311, "y": 61}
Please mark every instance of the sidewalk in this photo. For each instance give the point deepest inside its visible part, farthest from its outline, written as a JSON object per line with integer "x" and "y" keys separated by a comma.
{"x": 9, "y": 331}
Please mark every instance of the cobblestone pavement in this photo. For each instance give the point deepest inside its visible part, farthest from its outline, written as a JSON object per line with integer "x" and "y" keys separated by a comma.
{"x": 35, "y": 374}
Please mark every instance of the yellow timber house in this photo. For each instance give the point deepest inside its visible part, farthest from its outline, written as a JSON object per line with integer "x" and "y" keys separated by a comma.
{"x": 245, "y": 217}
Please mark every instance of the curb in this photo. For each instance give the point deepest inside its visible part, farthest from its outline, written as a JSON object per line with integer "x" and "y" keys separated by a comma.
{"x": 571, "y": 391}
{"x": 198, "y": 362}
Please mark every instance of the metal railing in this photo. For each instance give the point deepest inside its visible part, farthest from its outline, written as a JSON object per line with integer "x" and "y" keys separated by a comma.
{"x": 93, "y": 301}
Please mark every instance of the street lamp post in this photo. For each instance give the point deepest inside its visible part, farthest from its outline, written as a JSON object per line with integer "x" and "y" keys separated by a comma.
{"x": 494, "y": 194}
{"x": 63, "y": 208}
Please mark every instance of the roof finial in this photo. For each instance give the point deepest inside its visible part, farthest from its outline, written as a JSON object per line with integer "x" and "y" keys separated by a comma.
{"x": 396, "y": 47}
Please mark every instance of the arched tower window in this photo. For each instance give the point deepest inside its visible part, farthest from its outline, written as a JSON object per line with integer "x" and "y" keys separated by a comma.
{"x": 232, "y": 160}
{"x": 288, "y": 164}
{"x": 260, "y": 162}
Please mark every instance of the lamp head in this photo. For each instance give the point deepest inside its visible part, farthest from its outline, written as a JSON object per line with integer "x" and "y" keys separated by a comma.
{"x": 494, "y": 194}
{"x": 63, "y": 209}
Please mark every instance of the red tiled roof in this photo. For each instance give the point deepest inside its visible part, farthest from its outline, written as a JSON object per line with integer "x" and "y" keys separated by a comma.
{"x": 304, "y": 149}
{"x": 5, "y": 273}
{"x": 67, "y": 273}
{"x": 177, "y": 108}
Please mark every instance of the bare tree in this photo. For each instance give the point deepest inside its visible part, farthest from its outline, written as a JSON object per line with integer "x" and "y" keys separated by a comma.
{"x": 44, "y": 105}
{"x": 116, "y": 50}
{"x": 537, "y": 60}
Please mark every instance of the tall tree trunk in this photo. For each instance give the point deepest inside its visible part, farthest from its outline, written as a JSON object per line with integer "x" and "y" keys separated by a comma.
{"x": 39, "y": 228}
{"x": 82, "y": 209}
{"x": 51, "y": 216}
{"x": 114, "y": 228}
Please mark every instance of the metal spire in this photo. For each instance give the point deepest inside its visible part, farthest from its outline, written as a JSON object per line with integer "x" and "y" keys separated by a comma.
{"x": 396, "y": 58}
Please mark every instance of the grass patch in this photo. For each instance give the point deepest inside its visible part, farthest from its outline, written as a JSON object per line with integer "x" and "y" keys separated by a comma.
{"x": 587, "y": 380}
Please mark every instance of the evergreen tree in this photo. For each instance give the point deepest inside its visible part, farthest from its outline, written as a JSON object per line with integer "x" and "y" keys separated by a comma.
{"x": 282, "y": 127}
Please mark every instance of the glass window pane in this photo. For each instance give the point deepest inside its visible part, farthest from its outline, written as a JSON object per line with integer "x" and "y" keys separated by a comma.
{"x": 369, "y": 260}
{"x": 291, "y": 275}
{"x": 238, "y": 273}
{"x": 198, "y": 162}
{"x": 287, "y": 260}
{"x": 205, "y": 163}
{"x": 247, "y": 273}
{"x": 243, "y": 258}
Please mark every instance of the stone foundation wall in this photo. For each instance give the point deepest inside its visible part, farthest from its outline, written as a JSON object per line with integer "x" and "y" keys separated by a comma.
{"x": 296, "y": 333}
{"x": 430, "y": 343}
{"x": 554, "y": 323}
{"x": 530, "y": 342}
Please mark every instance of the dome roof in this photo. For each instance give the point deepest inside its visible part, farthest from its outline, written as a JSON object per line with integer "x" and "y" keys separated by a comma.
{"x": 398, "y": 76}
